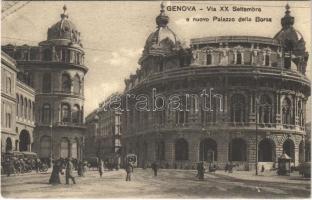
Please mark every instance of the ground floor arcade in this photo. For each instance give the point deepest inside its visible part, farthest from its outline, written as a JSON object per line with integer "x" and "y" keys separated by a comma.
{"x": 66, "y": 142}
{"x": 184, "y": 149}
{"x": 22, "y": 140}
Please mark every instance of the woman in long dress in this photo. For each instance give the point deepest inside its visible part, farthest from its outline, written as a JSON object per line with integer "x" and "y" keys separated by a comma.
{"x": 55, "y": 175}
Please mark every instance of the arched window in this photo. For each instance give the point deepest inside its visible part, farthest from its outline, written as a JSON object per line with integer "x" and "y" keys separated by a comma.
{"x": 46, "y": 82}
{"x": 76, "y": 114}
{"x": 25, "y": 108}
{"x": 45, "y": 147}
{"x": 76, "y": 84}
{"x": 181, "y": 150}
{"x": 65, "y": 113}
{"x": 64, "y": 148}
{"x": 239, "y": 58}
{"x": 300, "y": 113}
{"x": 22, "y": 107}
{"x": 17, "y": 105}
{"x": 238, "y": 108}
{"x": 238, "y": 150}
{"x": 287, "y": 60}
{"x": 63, "y": 55}
{"x": 286, "y": 111}
{"x": 66, "y": 83}
{"x": 266, "y": 152}
{"x": 8, "y": 145}
{"x": 8, "y": 85}
{"x": 289, "y": 149}
{"x": 210, "y": 114}
{"x": 182, "y": 114}
{"x": 265, "y": 109}
{"x": 209, "y": 59}
{"x": 267, "y": 60}
{"x": 24, "y": 138}
{"x": 208, "y": 150}
{"x": 47, "y": 54}
{"x": 46, "y": 113}
{"x": 29, "y": 110}
{"x": 160, "y": 150}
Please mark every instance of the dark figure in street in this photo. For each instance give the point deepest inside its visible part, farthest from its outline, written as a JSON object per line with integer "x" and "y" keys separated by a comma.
{"x": 100, "y": 167}
{"x": 69, "y": 171}
{"x": 37, "y": 164}
{"x": 55, "y": 175}
{"x": 226, "y": 167}
{"x": 230, "y": 167}
{"x": 155, "y": 168}
{"x": 80, "y": 168}
{"x": 201, "y": 170}
{"x": 129, "y": 170}
{"x": 262, "y": 168}
{"x": 9, "y": 166}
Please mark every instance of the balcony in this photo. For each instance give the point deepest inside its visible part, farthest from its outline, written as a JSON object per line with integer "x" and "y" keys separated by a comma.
{"x": 214, "y": 126}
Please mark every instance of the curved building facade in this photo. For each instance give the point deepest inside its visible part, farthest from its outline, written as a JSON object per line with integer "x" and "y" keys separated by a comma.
{"x": 257, "y": 93}
{"x": 56, "y": 70}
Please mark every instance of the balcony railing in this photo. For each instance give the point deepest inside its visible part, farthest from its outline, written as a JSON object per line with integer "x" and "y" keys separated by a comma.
{"x": 68, "y": 124}
{"x": 213, "y": 125}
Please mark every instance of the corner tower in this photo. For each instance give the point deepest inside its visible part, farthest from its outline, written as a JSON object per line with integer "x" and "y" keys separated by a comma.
{"x": 55, "y": 68}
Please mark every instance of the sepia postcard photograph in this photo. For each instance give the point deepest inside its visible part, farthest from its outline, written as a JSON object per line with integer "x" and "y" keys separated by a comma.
{"x": 156, "y": 99}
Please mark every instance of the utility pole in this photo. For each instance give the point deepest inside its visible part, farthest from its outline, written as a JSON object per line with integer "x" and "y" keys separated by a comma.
{"x": 256, "y": 102}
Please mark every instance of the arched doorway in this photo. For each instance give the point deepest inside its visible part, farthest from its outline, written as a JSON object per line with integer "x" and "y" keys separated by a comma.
{"x": 64, "y": 148}
{"x": 208, "y": 150}
{"x": 144, "y": 154}
{"x": 238, "y": 150}
{"x": 160, "y": 150}
{"x": 181, "y": 150}
{"x": 24, "y": 138}
{"x": 74, "y": 149}
{"x": 308, "y": 152}
{"x": 8, "y": 145}
{"x": 301, "y": 152}
{"x": 289, "y": 149}
{"x": 266, "y": 150}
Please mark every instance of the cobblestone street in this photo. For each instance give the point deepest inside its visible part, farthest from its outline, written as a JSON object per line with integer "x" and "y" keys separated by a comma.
{"x": 168, "y": 184}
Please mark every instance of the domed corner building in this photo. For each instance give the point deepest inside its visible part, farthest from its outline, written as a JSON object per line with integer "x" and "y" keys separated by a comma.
{"x": 56, "y": 70}
{"x": 258, "y": 88}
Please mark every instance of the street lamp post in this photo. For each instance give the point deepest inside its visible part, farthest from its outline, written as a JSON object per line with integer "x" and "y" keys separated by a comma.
{"x": 51, "y": 150}
{"x": 256, "y": 136}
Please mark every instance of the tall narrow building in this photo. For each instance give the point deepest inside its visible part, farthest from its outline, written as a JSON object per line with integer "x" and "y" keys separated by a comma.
{"x": 55, "y": 68}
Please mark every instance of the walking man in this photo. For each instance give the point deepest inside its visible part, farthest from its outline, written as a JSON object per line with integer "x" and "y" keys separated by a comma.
{"x": 155, "y": 168}
{"x": 69, "y": 171}
{"x": 129, "y": 170}
{"x": 201, "y": 171}
{"x": 100, "y": 167}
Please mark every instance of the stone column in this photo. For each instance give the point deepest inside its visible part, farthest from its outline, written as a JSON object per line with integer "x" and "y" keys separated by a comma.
{"x": 251, "y": 149}
{"x": 296, "y": 149}
{"x": 193, "y": 150}
{"x": 169, "y": 152}
{"x": 223, "y": 149}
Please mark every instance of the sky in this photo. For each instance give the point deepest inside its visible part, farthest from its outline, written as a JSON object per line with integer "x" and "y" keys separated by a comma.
{"x": 114, "y": 33}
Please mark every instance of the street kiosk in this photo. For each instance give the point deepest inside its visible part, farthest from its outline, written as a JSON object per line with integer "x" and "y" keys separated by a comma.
{"x": 284, "y": 165}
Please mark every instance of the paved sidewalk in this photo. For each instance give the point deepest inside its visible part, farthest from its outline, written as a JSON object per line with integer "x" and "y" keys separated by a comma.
{"x": 268, "y": 176}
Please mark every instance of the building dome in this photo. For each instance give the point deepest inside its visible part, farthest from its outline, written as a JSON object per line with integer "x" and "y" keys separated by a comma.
{"x": 64, "y": 30}
{"x": 291, "y": 39}
{"x": 163, "y": 41}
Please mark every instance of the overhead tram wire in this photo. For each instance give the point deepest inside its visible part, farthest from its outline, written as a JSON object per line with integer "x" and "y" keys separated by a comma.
{"x": 88, "y": 48}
